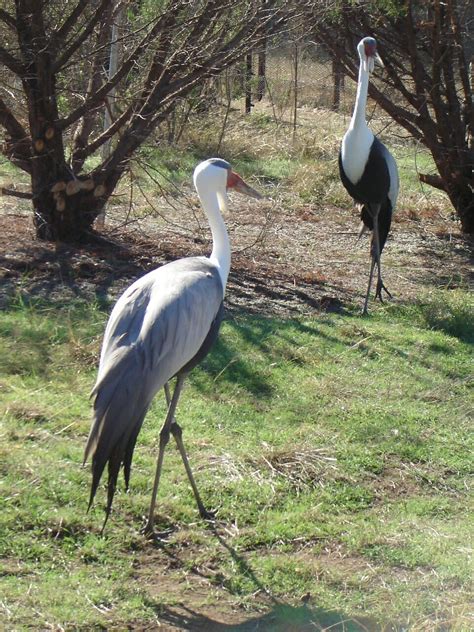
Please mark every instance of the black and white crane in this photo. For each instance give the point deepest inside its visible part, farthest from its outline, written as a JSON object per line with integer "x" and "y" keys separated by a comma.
{"x": 368, "y": 170}
{"x": 161, "y": 327}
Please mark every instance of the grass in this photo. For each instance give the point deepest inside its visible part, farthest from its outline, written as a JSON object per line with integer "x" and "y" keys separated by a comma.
{"x": 337, "y": 450}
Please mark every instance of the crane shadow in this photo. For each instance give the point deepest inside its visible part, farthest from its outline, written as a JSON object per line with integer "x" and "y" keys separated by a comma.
{"x": 283, "y": 618}
{"x": 258, "y": 333}
{"x": 280, "y": 616}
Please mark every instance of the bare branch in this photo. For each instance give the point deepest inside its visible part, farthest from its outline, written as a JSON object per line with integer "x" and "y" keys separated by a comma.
{"x": 61, "y": 34}
{"x": 96, "y": 98}
{"x": 86, "y": 125}
{"x": 84, "y": 152}
{"x": 83, "y": 35}
{"x": 432, "y": 180}
{"x": 24, "y": 195}
{"x": 11, "y": 62}
{"x": 17, "y": 147}
{"x": 468, "y": 105}
{"x": 8, "y": 19}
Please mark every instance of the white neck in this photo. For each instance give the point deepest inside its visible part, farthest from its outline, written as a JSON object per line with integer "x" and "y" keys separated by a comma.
{"x": 358, "y": 116}
{"x": 220, "y": 255}
{"x": 358, "y": 139}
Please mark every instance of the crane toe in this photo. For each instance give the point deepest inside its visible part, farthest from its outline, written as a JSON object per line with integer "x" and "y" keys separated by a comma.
{"x": 378, "y": 290}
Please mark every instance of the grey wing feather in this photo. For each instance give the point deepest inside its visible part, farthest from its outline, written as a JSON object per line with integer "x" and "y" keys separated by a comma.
{"x": 394, "y": 178}
{"x": 155, "y": 328}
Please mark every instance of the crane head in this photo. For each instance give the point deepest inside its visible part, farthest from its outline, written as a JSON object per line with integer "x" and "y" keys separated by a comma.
{"x": 219, "y": 176}
{"x": 368, "y": 54}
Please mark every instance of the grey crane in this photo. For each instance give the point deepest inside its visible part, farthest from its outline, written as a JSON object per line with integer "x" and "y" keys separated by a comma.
{"x": 161, "y": 327}
{"x": 368, "y": 170}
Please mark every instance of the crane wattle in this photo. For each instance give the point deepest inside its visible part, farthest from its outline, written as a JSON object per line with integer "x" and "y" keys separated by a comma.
{"x": 232, "y": 179}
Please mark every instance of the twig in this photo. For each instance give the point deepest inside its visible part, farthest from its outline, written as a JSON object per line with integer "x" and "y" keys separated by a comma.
{"x": 25, "y": 195}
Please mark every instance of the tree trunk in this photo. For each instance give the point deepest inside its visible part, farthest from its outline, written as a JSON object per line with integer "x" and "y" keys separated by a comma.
{"x": 62, "y": 217}
{"x": 465, "y": 208}
{"x": 462, "y": 198}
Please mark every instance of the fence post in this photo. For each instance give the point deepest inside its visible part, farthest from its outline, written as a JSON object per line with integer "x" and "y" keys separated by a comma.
{"x": 248, "y": 83}
{"x": 295, "y": 87}
{"x": 262, "y": 64}
{"x": 338, "y": 82}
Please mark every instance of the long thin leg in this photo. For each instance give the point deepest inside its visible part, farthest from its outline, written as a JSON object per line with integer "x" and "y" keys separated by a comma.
{"x": 167, "y": 393}
{"x": 164, "y": 438}
{"x": 371, "y": 274}
{"x": 177, "y": 433}
{"x": 377, "y": 248}
{"x": 380, "y": 283}
{"x": 375, "y": 260}
{"x": 374, "y": 210}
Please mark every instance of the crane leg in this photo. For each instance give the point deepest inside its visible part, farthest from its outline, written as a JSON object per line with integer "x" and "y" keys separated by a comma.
{"x": 377, "y": 248}
{"x": 378, "y": 292}
{"x": 371, "y": 274}
{"x": 177, "y": 433}
{"x": 375, "y": 260}
{"x": 164, "y": 438}
{"x": 380, "y": 283}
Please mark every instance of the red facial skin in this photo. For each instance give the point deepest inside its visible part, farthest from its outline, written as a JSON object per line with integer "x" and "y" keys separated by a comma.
{"x": 232, "y": 179}
{"x": 370, "y": 49}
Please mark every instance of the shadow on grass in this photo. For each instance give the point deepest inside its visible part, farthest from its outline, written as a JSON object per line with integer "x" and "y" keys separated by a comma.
{"x": 54, "y": 273}
{"x": 282, "y": 617}
{"x": 260, "y": 334}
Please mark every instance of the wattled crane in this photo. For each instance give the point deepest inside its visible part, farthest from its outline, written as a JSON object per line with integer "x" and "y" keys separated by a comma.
{"x": 368, "y": 170}
{"x": 162, "y": 326}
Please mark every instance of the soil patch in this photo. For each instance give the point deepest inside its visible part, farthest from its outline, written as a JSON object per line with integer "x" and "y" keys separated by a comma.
{"x": 285, "y": 262}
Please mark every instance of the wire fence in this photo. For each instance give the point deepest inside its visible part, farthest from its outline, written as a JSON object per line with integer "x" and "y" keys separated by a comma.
{"x": 288, "y": 78}
{"x": 285, "y": 81}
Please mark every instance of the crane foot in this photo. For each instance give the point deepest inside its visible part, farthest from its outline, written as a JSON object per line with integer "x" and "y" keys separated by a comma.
{"x": 378, "y": 290}
{"x": 156, "y": 536}
{"x": 209, "y": 515}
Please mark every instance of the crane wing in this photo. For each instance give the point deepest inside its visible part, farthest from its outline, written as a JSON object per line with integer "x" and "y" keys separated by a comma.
{"x": 393, "y": 175}
{"x": 156, "y": 327}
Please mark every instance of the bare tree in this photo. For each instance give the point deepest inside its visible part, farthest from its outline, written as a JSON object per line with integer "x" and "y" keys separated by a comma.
{"x": 58, "y": 53}
{"x": 426, "y": 85}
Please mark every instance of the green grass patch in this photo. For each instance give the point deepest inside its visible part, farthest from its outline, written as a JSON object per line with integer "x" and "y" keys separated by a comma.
{"x": 336, "y": 448}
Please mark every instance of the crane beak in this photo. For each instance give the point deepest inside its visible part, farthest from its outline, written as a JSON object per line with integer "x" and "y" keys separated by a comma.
{"x": 378, "y": 59}
{"x": 234, "y": 181}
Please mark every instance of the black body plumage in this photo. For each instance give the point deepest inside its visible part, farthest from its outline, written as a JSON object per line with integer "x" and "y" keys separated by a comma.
{"x": 372, "y": 188}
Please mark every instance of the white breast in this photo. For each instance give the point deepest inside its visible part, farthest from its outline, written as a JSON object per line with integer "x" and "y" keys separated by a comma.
{"x": 355, "y": 151}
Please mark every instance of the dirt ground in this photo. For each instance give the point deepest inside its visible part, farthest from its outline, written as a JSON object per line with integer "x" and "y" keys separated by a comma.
{"x": 286, "y": 262}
